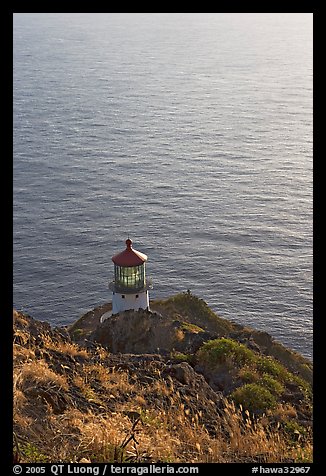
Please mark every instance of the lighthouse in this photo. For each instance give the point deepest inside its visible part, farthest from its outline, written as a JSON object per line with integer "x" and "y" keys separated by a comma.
{"x": 129, "y": 287}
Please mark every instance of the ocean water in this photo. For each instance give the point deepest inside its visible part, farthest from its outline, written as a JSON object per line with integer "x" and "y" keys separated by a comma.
{"x": 192, "y": 133}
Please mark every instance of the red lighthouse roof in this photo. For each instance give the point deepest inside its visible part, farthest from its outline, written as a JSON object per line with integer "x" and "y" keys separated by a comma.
{"x": 129, "y": 257}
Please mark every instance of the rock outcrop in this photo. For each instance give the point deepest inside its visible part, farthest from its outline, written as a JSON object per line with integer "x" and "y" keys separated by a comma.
{"x": 143, "y": 332}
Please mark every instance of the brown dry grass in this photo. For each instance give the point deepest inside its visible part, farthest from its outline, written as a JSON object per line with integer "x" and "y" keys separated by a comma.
{"x": 68, "y": 348}
{"x": 32, "y": 374}
{"x": 168, "y": 435}
{"x": 125, "y": 419}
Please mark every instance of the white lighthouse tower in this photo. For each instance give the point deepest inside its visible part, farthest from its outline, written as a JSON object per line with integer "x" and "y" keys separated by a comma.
{"x": 130, "y": 287}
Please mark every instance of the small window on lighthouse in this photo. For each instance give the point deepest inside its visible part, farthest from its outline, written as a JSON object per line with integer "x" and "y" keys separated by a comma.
{"x": 136, "y": 296}
{"x": 123, "y": 296}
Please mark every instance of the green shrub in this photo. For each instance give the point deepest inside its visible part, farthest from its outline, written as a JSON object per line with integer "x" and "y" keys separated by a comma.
{"x": 304, "y": 386}
{"x": 31, "y": 454}
{"x": 273, "y": 385}
{"x": 294, "y": 431}
{"x": 268, "y": 365}
{"x": 248, "y": 375}
{"x": 221, "y": 350}
{"x": 254, "y": 397}
{"x": 78, "y": 333}
{"x": 182, "y": 357}
{"x": 187, "y": 326}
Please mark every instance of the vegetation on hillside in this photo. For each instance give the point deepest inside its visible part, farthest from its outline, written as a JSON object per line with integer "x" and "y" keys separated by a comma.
{"x": 194, "y": 310}
{"x": 226, "y": 402}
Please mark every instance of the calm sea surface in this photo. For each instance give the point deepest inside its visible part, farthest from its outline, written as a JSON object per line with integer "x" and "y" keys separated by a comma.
{"x": 190, "y": 132}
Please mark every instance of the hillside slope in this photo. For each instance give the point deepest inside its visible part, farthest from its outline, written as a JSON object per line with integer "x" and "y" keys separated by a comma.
{"x": 93, "y": 404}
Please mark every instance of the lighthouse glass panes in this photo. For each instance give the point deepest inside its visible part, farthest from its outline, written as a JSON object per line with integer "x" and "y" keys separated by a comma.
{"x": 129, "y": 277}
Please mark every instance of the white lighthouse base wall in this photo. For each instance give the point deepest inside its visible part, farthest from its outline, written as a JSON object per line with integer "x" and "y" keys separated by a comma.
{"x": 124, "y": 302}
